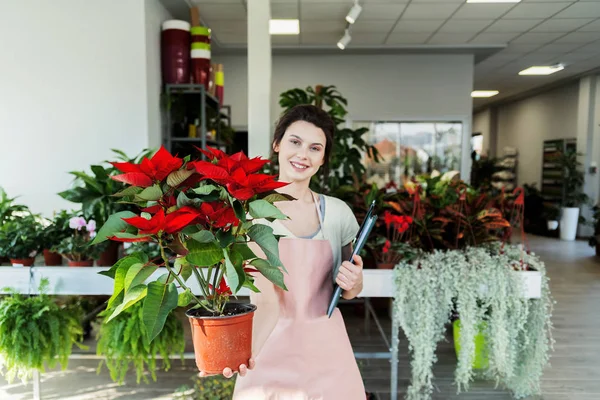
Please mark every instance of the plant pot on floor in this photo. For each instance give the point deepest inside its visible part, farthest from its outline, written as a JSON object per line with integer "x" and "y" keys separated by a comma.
{"x": 87, "y": 263}
{"x": 25, "y": 262}
{"x": 52, "y": 259}
{"x": 480, "y": 359}
{"x": 221, "y": 342}
{"x": 569, "y": 223}
{"x": 552, "y": 225}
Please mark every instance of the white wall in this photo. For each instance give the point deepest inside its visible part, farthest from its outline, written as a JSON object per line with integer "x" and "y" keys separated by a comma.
{"x": 482, "y": 123}
{"x": 74, "y": 88}
{"x": 377, "y": 87}
{"x": 385, "y": 87}
{"x": 527, "y": 123}
{"x": 155, "y": 15}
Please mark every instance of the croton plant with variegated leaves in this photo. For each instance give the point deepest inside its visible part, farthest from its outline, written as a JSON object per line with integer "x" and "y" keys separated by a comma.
{"x": 203, "y": 214}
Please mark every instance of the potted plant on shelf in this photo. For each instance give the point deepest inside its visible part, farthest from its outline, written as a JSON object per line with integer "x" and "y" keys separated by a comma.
{"x": 76, "y": 247}
{"x": 594, "y": 240}
{"x": 21, "y": 238}
{"x": 94, "y": 191}
{"x": 208, "y": 213}
{"x": 53, "y": 234}
{"x": 573, "y": 195}
{"x": 8, "y": 208}
{"x": 35, "y": 332}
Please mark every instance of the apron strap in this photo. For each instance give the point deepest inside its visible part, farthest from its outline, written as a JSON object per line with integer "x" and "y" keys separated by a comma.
{"x": 318, "y": 212}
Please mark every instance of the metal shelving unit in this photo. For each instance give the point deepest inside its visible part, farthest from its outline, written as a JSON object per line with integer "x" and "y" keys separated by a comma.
{"x": 206, "y": 101}
{"x": 552, "y": 174}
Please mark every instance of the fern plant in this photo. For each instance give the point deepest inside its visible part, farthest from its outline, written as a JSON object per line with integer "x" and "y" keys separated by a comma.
{"x": 124, "y": 342}
{"x": 35, "y": 332}
{"x": 210, "y": 388}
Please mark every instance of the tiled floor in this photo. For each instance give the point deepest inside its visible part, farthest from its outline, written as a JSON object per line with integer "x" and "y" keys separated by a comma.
{"x": 574, "y": 374}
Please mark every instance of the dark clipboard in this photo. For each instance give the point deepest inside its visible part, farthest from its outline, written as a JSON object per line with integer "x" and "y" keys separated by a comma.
{"x": 358, "y": 244}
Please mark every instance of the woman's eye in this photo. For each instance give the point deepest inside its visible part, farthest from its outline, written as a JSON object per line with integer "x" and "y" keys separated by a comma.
{"x": 295, "y": 142}
{"x": 316, "y": 149}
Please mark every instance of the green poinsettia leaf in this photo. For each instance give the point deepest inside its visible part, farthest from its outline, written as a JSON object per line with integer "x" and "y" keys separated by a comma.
{"x": 113, "y": 225}
{"x": 203, "y": 254}
{"x": 160, "y": 300}
{"x": 264, "y": 209}
{"x": 270, "y": 272}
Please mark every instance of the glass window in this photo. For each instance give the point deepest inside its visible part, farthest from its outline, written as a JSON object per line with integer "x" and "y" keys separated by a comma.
{"x": 412, "y": 148}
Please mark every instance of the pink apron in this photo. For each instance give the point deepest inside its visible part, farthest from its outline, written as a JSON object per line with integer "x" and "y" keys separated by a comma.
{"x": 308, "y": 355}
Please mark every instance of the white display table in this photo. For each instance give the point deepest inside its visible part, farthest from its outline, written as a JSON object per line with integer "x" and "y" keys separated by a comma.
{"x": 84, "y": 281}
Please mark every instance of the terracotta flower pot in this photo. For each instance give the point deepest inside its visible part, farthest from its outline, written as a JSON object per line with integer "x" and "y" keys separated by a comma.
{"x": 52, "y": 259}
{"x": 109, "y": 257}
{"x": 221, "y": 342}
{"x": 87, "y": 263}
{"x": 386, "y": 265}
{"x": 26, "y": 262}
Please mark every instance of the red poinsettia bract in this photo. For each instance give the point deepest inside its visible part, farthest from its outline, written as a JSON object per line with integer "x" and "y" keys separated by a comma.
{"x": 237, "y": 173}
{"x": 149, "y": 171}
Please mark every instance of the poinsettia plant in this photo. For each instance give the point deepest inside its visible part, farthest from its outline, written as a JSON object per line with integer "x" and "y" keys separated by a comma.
{"x": 391, "y": 247}
{"x": 205, "y": 214}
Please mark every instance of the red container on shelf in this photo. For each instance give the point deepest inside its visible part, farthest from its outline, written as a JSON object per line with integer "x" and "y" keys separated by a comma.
{"x": 200, "y": 55}
{"x": 220, "y": 83}
{"x": 175, "y": 51}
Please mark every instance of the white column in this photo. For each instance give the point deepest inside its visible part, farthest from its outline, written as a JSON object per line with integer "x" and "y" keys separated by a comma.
{"x": 588, "y": 141}
{"x": 259, "y": 78}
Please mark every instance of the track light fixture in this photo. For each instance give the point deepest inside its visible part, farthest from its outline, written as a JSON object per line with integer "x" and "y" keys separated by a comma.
{"x": 343, "y": 42}
{"x": 354, "y": 12}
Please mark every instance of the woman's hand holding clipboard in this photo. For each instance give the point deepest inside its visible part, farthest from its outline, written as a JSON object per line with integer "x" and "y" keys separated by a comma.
{"x": 358, "y": 244}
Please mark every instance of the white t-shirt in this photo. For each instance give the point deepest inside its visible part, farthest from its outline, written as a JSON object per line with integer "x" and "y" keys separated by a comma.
{"x": 339, "y": 227}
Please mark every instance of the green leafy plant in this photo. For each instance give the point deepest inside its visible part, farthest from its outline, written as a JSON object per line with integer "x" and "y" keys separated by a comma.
{"x": 349, "y": 145}
{"x": 209, "y": 388}
{"x": 207, "y": 213}
{"x": 518, "y": 330}
{"x": 8, "y": 207}
{"x": 76, "y": 246}
{"x": 57, "y": 230}
{"x": 123, "y": 342}
{"x": 95, "y": 191}
{"x": 35, "y": 332}
{"x": 594, "y": 239}
{"x": 573, "y": 179}
{"x": 21, "y": 236}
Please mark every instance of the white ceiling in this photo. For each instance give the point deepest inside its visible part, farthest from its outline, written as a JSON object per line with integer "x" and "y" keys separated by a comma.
{"x": 533, "y": 31}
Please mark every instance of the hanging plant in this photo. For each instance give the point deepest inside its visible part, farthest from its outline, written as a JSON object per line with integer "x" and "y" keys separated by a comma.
{"x": 123, "y": 341}
{"x": 35, "y": 331}
{"x": 488, "y": 294}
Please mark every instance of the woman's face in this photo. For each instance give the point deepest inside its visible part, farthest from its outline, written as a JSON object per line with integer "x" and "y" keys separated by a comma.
{"x": 301, "y": 151}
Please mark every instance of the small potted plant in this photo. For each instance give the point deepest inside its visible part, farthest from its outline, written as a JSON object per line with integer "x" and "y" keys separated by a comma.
{"x": 21, "y": 238}
{"x": 76, "y": 247}
{"x": 573, "y": 195}
{"x": 208, "y": 214}
{"x": 594, "y": 240}
{"x": 552, "y": 216}
{"x": 391, "y": 248}
{"x": 53, "y": 234}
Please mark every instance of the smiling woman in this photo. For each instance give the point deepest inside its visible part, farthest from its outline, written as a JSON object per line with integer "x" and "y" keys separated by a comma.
{"x": 298, "y": 351}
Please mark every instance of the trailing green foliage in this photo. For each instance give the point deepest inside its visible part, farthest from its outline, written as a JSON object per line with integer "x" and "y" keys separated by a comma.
{"x": 35, "y": 332}
{"x": 124, "y": 343}
{"x": 483, "y": 286}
